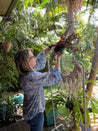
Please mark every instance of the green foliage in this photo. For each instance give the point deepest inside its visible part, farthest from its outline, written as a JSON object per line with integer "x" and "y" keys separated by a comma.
{"x": 37, "y": 29}
{"x": 64, "y": 112}
{"x": 93, "y": 103}
{"x": 89, "y": 81}
{"x": 7, "y": 107}
{"x": 78, "y": 114}
{"x": 67, "y": 65}
{"x": 20, "y": 33}
{"x": 27, "y": 29}
{"x": 7, "y": 74}
{"x": 87, "y": 117}
{"x": 28, "y": 3}
{"x": 59, "y": 99}
{"x": 66, "y": 106}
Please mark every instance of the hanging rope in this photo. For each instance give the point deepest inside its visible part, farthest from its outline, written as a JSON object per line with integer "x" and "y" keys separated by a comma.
{"x": 52, "y": 98}
{"x": 55, "y": 126}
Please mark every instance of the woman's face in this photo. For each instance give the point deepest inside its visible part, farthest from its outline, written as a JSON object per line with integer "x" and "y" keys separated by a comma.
{"x": 32, "y": 60}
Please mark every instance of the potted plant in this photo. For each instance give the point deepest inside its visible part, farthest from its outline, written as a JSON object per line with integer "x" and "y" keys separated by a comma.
{"x": 7, "y": 109}
{"x": 5, "y": 46}
{"x": 58, "y": 98}
{"x": 9, "y": 120}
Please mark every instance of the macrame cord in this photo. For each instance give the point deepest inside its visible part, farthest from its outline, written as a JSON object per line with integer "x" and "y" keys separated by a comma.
{"x": 55, "y": 126}
{"x": 73, "y": 81}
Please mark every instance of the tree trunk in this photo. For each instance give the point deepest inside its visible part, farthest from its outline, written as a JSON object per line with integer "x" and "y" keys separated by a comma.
{"x": 70, "y": 17}
{"x": 93, "y": 72}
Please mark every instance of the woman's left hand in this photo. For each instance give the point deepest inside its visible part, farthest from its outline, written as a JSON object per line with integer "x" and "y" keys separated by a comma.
{"x": 49, "y": 48}
{"x": 52, "y": 45}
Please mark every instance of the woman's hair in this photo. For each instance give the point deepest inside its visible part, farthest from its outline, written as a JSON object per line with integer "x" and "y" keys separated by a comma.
{"x": 21, "y": 60}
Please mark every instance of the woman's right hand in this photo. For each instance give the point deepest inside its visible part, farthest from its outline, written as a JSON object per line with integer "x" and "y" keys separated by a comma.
{"x": 59, "y": 54}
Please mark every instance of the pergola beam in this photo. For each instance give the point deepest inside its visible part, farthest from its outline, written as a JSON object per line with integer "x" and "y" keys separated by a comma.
{"x": 6, "y": 6}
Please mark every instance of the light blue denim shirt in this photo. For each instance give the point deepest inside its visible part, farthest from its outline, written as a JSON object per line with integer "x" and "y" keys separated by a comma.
{"x": 33, "y": 83}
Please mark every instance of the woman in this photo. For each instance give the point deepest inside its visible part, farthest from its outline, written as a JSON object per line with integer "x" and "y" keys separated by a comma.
{"x": 32, "y": 83}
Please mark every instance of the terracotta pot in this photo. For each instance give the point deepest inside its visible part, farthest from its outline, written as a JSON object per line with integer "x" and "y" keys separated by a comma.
{"x": 5, "y": 46}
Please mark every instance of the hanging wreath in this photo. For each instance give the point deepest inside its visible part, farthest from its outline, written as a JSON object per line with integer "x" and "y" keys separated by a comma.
{"x": 5, "y": 46}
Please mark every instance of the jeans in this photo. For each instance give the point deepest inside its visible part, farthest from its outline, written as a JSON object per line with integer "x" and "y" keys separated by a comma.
{"x": 36, "y": 124}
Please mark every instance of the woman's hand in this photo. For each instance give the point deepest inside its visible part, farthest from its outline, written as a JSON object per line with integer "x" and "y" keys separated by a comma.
{"x": 57, "y": 65}
{"x": 49, "y": 48}
{"x": 59, "y": 54}
{"x": 52, "y": 45}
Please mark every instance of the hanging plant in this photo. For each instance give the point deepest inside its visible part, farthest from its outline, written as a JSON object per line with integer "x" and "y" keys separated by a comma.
{"x": 5, "y": 46}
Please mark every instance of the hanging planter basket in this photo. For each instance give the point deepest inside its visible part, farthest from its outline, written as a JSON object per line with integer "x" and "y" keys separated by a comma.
{"x": 5, "y": 46}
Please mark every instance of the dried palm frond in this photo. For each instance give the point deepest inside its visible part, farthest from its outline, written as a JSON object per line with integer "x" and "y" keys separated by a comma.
{"x": 66, "y": 42}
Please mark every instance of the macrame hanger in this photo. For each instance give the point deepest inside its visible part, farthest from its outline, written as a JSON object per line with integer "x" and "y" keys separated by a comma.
{"x": 55, "y": 126}
{"x": 65, "y": 79}
{"x": 73, "y": 80}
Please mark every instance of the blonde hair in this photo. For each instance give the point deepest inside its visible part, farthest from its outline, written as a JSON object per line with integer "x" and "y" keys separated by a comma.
{"x": 21, "y": 60}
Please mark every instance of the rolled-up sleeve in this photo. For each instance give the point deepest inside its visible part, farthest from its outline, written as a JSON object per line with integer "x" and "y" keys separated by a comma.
{"x": 40, "y": 61}
{"x": 45, "y": 79}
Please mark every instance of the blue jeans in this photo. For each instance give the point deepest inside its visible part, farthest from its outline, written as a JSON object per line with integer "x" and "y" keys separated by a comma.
{"x": 36, "y": 124}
